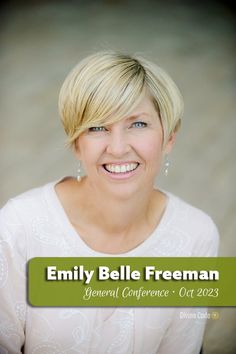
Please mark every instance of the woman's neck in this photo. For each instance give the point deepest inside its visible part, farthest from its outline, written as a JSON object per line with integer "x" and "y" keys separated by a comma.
{"x": 118, "y": 216}
{"x": 119, "y": 225}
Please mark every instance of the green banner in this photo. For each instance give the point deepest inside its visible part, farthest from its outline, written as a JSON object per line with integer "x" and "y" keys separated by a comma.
{"x": 135, "y": 281}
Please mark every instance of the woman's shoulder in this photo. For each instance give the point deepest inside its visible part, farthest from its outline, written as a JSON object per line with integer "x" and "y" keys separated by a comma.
{"x": 15, "y": 217}
{"x": 186, "y": 212}
{"x": 25, "y": 204}
{"x": 190, "y": 220}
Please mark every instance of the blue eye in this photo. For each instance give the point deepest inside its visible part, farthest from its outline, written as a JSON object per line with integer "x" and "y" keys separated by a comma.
{"x": 139, "y": 124}
{"x": 97, "y": 129}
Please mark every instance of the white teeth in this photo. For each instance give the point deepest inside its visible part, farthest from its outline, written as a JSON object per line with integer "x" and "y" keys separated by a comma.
{"x": 117, "y": 169}
{"x": 121, "y": 168}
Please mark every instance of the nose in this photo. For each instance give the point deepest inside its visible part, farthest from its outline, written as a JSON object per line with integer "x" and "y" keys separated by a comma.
{"x": 118, "y": 144}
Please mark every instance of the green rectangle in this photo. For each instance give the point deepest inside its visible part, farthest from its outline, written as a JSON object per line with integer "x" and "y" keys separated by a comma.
{"x": 169, "y": 281}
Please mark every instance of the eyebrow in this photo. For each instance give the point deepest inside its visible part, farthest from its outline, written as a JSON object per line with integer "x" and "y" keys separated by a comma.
{"x": 135, "y": 116}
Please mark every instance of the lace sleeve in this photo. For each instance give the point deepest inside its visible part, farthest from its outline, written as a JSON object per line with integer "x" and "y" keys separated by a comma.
{"x": 12, "y": 282}
{"x": 186, "y": 330}
{"x": 185, "y": 333}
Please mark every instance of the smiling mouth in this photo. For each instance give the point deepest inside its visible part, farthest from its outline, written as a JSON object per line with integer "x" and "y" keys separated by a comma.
{"x": 122, "y": 168}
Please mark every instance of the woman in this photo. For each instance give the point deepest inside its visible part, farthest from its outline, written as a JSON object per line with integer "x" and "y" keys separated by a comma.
{"x": 121, "y": 115}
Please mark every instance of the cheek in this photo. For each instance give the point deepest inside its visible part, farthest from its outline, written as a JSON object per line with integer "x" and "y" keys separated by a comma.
{"x": 83, "y": 151}
{"x": 151, "y": 148}
{"x": 90, "y": 152}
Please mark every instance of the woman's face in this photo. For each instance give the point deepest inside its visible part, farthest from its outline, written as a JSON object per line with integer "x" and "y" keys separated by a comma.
{"x": 124, "y": 157}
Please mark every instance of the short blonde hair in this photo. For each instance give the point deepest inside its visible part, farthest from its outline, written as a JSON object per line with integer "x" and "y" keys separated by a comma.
{"x": 106, "y": 86}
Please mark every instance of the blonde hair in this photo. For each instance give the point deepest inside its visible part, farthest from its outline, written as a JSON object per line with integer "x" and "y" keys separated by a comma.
{"x": 106, "y": 86}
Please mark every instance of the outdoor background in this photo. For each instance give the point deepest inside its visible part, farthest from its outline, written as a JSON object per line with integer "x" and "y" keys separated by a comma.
{"x": 194, "y": 41}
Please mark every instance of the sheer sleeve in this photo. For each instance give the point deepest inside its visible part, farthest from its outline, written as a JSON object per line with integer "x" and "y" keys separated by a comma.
{"x": 12, "y": 281}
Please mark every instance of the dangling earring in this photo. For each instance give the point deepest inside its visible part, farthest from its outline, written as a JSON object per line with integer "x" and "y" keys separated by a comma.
{"x": 167, "y": 165}
{"x": 79, "y": 172}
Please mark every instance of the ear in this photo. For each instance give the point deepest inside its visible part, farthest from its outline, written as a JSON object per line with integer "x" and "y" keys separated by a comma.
{"x": 170, "y": 143}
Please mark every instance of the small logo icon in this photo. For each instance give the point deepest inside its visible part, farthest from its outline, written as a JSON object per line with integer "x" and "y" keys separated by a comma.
{"x": 215, "y": 315}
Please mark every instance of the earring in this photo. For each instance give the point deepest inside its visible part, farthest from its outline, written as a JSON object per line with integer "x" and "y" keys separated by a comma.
{"x": 79, "y": 172}
{"x": 167, "y": 165}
